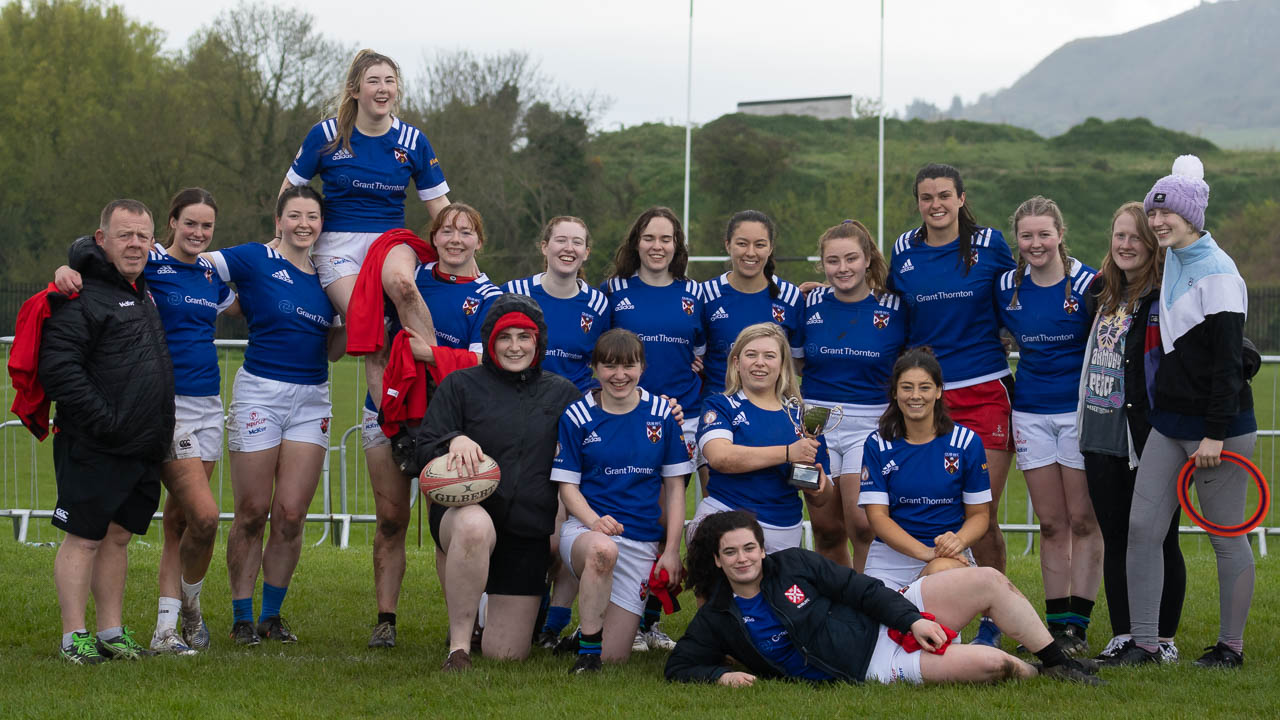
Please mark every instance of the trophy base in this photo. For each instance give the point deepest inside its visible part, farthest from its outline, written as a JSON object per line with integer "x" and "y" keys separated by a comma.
{"x": 805, "y": 477}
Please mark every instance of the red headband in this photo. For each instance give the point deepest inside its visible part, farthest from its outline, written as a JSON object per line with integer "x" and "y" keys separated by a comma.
{"x": 512, "y": 319}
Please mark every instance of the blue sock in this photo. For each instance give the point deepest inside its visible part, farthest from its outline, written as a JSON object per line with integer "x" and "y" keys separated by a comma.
{"x": 242, "y": 609}
{"x": 557, "y": 618}
{"x": 272, "y": 598}
{"x": 590, "y": 644}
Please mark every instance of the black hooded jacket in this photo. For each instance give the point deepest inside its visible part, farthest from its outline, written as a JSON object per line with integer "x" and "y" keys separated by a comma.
{"x": 105, "y": 362}
{"x": 513, "y": 417}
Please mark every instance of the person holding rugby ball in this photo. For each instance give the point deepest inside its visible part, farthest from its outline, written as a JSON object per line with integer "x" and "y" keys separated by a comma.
{"x": 924, "y": 480}
{"x": 1043, "y": 304}
{"x": 853, "y": 333}
{"x": 750, "y": 442}
{"x": 946, "y": 271}
{"x": 1113, "y": 425}
{"x": 278, "y": 423}
{"x": 621, "y": 463}
{"x": 1202, "y": 405}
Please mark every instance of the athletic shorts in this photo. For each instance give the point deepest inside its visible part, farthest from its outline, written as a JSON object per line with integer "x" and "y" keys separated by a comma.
{"x": 775, "y": 537}
{"x": 340, "y": 254}
{"x": 264, "y": 412}
{"x": 689, "y": 430}
{"x": 631, "y": 572}
{"x": 517, "y": 566}
{"x": 197, "y": 429}
{"x": 844, "y": 443}
{"x": 96, "y": 489}
{"x": 1042, "y": 440}
{"x": 894, "y": 569}
{"x": 889, "y": 662}
{"x": 983, "y": 408}
{"x": 371, "y": 435}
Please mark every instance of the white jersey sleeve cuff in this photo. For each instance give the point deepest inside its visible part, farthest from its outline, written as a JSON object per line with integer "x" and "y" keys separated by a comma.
{"x": 677, "y": 470}
{"x": 231, "y": 298}
{"x": 873, "y": 498}
{"x": 566, "y": 476}
{"x": 296, "y": 179}
{"x": 714, "y": 435}
{"x": 432, "y": 193}
{"x": 220, "y": 264}
{"x": 977, "y": 498}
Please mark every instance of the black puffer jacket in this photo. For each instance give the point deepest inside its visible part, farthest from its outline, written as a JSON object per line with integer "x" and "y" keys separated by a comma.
{"x": 513, "y": 417}
{"x": 104, "y": 361}
{"x": 832, "y": 614}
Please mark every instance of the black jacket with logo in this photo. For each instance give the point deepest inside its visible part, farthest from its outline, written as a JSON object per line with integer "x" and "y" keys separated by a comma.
{"x": 832, "y": 614}
{"x": 105, "y": 362}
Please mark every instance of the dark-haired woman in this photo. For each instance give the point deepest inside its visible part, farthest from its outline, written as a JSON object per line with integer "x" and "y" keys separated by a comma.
{"x": 278, "y": 423}
{"x": 1043, "y": 304}
{"x": 853, "y": 332}
{"x": 924, "y": 480}
{"x": 946, "y": 271}
{"x": 621, "y": 465}
{"x": 189, "y": 297}
{"x": 650, "y": 295}
{"x": 1112, "y": 419}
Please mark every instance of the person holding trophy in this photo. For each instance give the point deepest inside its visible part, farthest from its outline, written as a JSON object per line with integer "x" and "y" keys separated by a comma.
{"x": 925, "y": 485}
{"x": 758, "y": 442}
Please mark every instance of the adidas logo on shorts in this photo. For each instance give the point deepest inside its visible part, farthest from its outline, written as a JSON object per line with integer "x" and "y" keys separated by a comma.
{"x": 907, "y": 266}
{"x": 815, "y": 320}
{"x": 283, "y": 275}
{"x": 592, "y": 438}
{"x": 166, "y": 270}
{"x": 720, "y": 314}
{"x": 625, "y": 305}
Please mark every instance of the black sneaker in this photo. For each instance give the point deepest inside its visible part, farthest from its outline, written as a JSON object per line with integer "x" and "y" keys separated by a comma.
{"x": 123, "y": 647}
{"x": 1220, "y": 656}
{"x": 275, "y": 628}
{"x": 244, "y": 633}
{"x": 83, "y": 650}
{"x": 384, "y": 636}
{"x": 546, "y": 640}
{"x": 586, "y": 664}
{"x": 1114, "y": 647}
{"x": 1070, "y": 640}
{"x": 1134, "y": 655}
{"x": 568, "y": 645}
{"x": 1072, "y": 671}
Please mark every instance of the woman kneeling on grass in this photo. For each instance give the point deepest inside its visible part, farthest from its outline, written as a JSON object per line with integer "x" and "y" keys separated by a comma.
{"x": 795, "y": 614}
{"x": 621, "y": 462}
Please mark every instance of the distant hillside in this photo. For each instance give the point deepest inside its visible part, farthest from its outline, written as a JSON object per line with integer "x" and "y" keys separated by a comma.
{"x": 1209, "y": 71}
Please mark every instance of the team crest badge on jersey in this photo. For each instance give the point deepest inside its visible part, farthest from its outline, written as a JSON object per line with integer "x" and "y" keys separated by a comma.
{"x": 654, "y": 431}
{"x": 402, "y": 157}
{"x": 951, "y": 463}
{"x": 779, "y": 313}
{"x": 880, "y": 319}
{"x": 973, "y": 256}
{"x": 794, "y": 594}
{"x": 709, "y": 418}
{"x": 469, "y": 306}
{"x": 585, "y": 322}
{"x": 686, "y": 304}
{"x": 208, "y": 276}
{"x": 1071, "y": 305}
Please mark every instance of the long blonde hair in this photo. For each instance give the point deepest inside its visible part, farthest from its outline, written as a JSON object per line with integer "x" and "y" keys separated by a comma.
{"x": 345, "y": 102}
{"x": 786, "y": 386}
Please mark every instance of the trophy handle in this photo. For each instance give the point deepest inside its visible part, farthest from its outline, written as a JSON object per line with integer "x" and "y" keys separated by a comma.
{"x": 837, "y": 414}
{"x": 797, "y": 422}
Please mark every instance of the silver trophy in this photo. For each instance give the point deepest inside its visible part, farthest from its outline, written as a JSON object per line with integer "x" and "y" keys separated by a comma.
{"x": 809, "y": 421}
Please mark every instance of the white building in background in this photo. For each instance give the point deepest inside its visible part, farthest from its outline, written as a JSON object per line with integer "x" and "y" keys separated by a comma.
{"x": 824, "y": 108}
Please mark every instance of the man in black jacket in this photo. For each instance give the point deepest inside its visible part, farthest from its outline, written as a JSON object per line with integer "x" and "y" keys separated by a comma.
{"x": 795, "y": 614}
{"x": 104, "y": 361}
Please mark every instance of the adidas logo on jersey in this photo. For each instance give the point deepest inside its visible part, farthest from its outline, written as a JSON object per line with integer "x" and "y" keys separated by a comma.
{"x": 907, "y": 266}
{"x": 1015, "y": 305}
{"x": 592, "y": 438}
{"x": 282, "y": 275}
{"x": 815, "y": 320}
{"x": 890, "y": 467}
{"x": 625, "y": 305}
{"x": 719, "y": 314}
{"x": 342, "y": 154}
{"x": 166, "y": 270}
{"x": 740, "y": 419}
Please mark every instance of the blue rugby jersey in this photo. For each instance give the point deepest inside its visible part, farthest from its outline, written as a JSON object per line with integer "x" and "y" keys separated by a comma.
{"x": 668, "y": 320}
{"x": 288, "y": 313}
{"x": 951, "y": 310}
{"x": 619, "y": 461}
{"x": 850, "y": 348}
{"x": 1051, "y": 328}
{"x": 926, "y": 486}
{"x": 725, "y": 312}
{"x": 364, "y": 189}
{"x": 573, "y": 326}
{"x": 189, "y": 297}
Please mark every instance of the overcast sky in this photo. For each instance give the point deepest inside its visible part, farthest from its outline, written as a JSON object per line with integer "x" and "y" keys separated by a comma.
{"x": 635, "y": 51}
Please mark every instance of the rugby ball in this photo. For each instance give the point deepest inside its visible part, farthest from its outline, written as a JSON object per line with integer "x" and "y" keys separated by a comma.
{"x": 444, "y": 486}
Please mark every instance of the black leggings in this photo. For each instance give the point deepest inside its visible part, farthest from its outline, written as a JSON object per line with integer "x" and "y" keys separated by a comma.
{"x": 1111, "y": 490}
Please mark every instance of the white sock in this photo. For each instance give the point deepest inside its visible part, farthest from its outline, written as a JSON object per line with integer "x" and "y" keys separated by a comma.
{"x": 110, "y": 633}
{"x": 66, "y": 637}
{"x": 191, "y": 593}
{"x": 167, "y": 617}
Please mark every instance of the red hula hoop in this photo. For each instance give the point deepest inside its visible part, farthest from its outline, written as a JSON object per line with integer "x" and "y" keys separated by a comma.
{"x": 1264, "y": 497}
